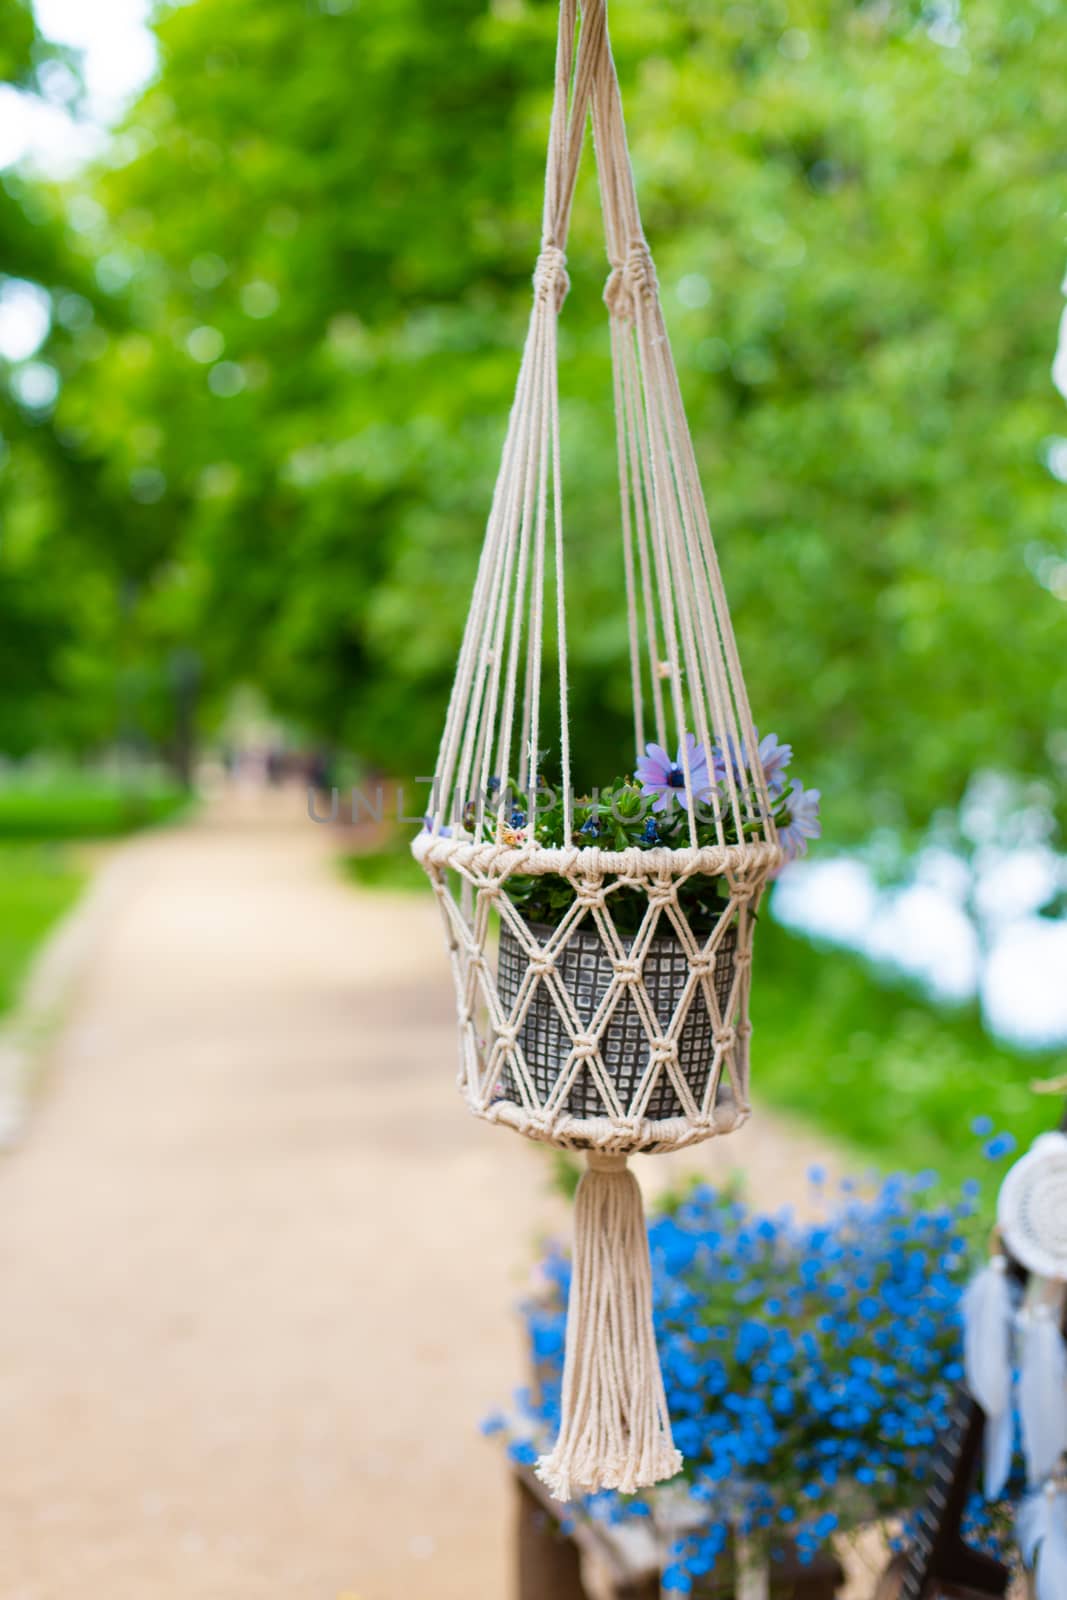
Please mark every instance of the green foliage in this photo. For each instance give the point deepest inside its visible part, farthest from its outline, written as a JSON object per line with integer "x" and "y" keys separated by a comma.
{"x": 37, "y": 885}
{"x": 873, "y": 1063}
{"x": 74, "y": 807}
{"x": 66, "y": 539}
{"x": 617, "y": 817}
{"x": 566, "y": 1172}
{"x": 18, "y": 36}
{"x": 40, "y": 876}
{"x": 284, "y": 415}
{"x": 392, "y": 867}
{"x": 622, "y": 816}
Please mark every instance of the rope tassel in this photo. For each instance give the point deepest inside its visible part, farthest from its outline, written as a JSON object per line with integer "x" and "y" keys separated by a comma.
{"x": 614, "y": 1431}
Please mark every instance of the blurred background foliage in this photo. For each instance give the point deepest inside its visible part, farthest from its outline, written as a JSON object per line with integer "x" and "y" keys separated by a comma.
{"x": 259, "y": 442}
{"x": 285, "y": 308}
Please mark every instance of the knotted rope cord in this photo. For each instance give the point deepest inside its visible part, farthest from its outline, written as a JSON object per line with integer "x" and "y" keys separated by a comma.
{"x": 632, "y": 298}
{"x": 515, "y": 536}
{"x": 672, "y": 574}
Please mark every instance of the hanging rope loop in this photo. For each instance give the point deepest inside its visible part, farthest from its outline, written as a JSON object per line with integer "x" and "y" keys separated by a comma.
{"x": 634, "y": 278}
{"x": 550, "y": 279}
{"x": 640, "y": 271}
{"x": 617, "y": 296}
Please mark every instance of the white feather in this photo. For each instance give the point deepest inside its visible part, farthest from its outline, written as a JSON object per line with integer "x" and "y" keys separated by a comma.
{"x": 1031, "y": 1524}
{"x": 987, "y": 1316}
{"x": 1051, "y": 1569}
{"x": 1041, "y": 1529}
{"x": 999, "y": 1448}
{"x": 1043, "y": 1395}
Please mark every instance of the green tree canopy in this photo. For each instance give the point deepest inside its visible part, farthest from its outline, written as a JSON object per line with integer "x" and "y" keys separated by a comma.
{"x": 33, "y": 607}
{"x": 320, "y": 225}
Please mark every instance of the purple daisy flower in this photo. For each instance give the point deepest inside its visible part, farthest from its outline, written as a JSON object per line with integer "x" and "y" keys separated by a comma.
{"x": 773, "y": 758}
{"x": 802, "y": 811}
{"x": 658, "y": 775}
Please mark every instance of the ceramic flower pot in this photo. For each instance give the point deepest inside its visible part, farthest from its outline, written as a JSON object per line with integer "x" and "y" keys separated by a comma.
{"x": 584, "y": 968}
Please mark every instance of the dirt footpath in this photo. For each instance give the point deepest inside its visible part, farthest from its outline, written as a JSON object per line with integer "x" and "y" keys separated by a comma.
{"x": 258, "y": 1263}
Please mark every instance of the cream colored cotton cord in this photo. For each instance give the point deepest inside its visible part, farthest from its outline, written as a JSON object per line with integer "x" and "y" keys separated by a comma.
{"x": 684, "y": 674}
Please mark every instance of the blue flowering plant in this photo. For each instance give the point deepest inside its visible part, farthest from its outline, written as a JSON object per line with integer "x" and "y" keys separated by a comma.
{"x": 809, "y": 1367}
{"x": 648, "y": 810}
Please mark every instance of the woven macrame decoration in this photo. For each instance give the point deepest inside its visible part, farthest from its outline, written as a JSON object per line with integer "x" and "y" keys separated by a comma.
{"x": 1032, "y": 1208}
{"x": 1015, "y": 1356}
{"x": 575, "y": 1033}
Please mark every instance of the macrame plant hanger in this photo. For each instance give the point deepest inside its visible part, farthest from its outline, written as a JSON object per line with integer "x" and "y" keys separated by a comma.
{"x": 675, "y": 1000}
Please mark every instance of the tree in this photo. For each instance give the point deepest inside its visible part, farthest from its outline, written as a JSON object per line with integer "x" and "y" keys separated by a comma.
{"x": 62, "y": 586}
{"x": 326, "y": 222}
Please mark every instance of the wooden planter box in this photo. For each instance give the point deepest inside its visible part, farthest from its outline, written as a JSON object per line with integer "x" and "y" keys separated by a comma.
{"x": 789, "y": 1578}
{"x": 550, "y": 1561}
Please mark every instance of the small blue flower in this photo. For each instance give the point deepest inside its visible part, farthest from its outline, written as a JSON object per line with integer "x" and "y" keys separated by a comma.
{"x": 427, "y": 827}
{"x": 982, "y": 1127}
{"x": 1001, "y": 1144}
{"x": 651, "y": 833}
{"x": 591, "y": 826}
{"x": 825, "y": 1351}
{"x": 676, "y": 1578}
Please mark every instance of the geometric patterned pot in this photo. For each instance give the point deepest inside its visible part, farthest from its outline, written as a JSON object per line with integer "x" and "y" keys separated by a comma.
{"x": 585, "y": 969}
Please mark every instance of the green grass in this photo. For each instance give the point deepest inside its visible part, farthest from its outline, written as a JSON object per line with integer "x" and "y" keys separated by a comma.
{"x": 38, "y": 883}
{"x": 869, "y": 1060}
{"x": 83, "y": 809}
{"x": 393, "y": 867}
{"x": 860, "y": 1055}
{"x": 39, "y": 876}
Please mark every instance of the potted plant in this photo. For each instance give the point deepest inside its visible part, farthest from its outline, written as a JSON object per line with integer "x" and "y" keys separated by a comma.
{"x": 648, "y": 811}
